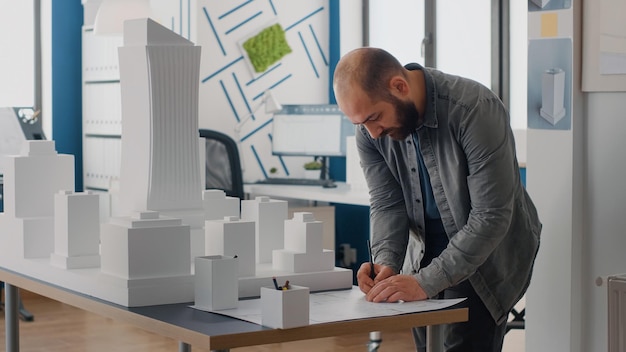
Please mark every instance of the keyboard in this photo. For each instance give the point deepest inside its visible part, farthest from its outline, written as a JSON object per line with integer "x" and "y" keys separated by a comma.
{"x": 298, "y": 182}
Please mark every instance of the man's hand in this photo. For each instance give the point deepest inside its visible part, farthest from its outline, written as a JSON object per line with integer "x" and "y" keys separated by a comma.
{"x": 364, "y": 277}
{"x": 394, "y": 288}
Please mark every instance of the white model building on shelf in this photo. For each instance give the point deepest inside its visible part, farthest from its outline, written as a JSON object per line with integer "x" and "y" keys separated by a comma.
{"x": 269, "y": 216}
{"x": 303, "y": 250}
{"x": 232, "y": 237}
{"x": 30, "y": 181}
{"x": 76, "y": 230}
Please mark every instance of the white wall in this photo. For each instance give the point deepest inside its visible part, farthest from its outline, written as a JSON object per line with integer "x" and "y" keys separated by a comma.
{"x": 604, "y": 238}
{"x": 17, "y": 57}
{"x": 576, "y": 178}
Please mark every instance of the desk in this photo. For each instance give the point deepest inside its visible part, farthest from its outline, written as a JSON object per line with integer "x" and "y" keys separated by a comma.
{"x": 341, "y": 194}
{"x": 194, "y": 327}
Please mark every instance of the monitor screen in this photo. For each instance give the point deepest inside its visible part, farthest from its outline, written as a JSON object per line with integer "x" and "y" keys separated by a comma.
{"x": 310, "y": 130}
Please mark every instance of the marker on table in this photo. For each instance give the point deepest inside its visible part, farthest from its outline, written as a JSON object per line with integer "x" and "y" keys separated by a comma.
{"x": 369, "y": 252}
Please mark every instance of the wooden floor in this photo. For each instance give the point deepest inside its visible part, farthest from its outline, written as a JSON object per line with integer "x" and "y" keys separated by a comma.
{"x": 59, "y": 327}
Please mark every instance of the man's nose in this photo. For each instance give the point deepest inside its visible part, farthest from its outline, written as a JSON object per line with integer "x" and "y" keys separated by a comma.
{"x": 375, "y": 130}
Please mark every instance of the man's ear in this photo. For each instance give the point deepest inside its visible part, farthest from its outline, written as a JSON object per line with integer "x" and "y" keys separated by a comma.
{"x": 399, "y": 86}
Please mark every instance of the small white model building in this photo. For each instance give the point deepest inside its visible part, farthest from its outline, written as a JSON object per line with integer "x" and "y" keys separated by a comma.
{"x": 76, "y": 230}
{"x": 232, "y": 237}
{"x": 269, "y": 216}
{"x": 30, "y": 181}
{"x": 303, "y": 250}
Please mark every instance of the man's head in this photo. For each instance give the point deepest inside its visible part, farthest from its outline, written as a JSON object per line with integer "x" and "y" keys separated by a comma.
{"x": 372, "y": 88}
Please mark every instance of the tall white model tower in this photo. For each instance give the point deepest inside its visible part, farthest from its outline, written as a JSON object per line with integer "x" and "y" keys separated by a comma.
{"x": 159, "y": 73}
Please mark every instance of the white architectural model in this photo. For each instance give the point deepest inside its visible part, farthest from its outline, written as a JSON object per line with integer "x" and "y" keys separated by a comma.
{"x": 232, "y": 237}
{"x": 217, "y": 206}
{"x": 30, "y": 181}
{"x": 159, "y": 73}
{"x": 76, "y": 230}
{"x": 553, "y": 95}
{"x": 303, "y": 251}
{"x": 269, "y": 216}
{"x": 147, "y": 254}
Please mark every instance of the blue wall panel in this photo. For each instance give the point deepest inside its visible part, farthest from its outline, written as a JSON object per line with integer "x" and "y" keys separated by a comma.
{"x": 67, "y": 20}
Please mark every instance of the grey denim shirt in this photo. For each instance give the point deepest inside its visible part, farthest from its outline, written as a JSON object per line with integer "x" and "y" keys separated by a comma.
{"x": 469, "y": 152}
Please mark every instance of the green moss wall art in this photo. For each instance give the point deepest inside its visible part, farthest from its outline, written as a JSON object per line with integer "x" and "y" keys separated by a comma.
{"x": 267, "y": 47}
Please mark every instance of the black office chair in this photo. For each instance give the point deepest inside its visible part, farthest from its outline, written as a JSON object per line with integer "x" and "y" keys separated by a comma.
{"x": 223, "y": 165}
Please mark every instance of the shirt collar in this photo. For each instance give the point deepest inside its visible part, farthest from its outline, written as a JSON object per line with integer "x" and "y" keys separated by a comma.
{"x": 430, "y": 114}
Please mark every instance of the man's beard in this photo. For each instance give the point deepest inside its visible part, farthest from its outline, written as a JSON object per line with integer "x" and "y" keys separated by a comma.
{"x": 408, "y": 118}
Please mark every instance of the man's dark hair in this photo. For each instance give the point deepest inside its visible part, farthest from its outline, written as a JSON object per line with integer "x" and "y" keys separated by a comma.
{"x": 378, "y": 67}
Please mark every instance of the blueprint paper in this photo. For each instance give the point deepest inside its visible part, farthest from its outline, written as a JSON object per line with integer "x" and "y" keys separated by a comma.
{"x": 333, "y": 306}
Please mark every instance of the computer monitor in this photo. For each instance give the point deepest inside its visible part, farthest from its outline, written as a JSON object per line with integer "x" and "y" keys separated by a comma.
{"x": 310, "y": 130}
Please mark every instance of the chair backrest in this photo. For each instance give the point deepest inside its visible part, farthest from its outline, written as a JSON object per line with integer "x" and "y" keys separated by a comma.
{"x": 223, "y": 166}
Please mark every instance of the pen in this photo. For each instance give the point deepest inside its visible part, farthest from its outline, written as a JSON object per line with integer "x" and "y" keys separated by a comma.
{"x": 275, "y": 283}
{"x": 369, "y": 252}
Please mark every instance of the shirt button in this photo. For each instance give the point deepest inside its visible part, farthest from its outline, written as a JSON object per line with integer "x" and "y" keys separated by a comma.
{"x": 413, "y": 169}
{"x": 418, "y": 200}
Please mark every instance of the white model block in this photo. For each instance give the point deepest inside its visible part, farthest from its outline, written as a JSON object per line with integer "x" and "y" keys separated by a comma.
{"x": 290, "y": 261}
{"x": 269, "y": 216}
{"x": 232, "y": 237}
{"x": 145, "y": 246}
{"x": 540, "y": 3}
{"x": 552, "y": 95}
{"x": 76, "y": 230}
{"x": 28, "y": 238}
{"x": 32, "y": 178}
{"x": 216, "y": 283}
{"x": 285, "y": 309}
{"x": 217, "y": 205}
{"x": 159, "y": 75}
{"x": 304, "y": 234}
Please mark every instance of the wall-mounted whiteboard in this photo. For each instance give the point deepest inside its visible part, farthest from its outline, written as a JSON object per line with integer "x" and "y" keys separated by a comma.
{"x": 604, "y": 46}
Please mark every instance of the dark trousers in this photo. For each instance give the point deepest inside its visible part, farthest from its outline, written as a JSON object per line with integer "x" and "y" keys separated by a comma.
{"x": 479, "y": 334}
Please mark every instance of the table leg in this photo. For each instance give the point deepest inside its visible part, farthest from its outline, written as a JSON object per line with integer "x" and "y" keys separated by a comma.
{"x": 434, "y": 338}
{"x": 11, "y": 304}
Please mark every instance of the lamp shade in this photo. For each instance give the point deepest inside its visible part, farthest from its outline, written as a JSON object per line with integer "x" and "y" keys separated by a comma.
{"x": 271, "y": 104}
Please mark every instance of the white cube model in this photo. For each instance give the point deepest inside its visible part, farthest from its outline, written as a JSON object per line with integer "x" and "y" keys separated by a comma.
{"x": 217, "y": 204}
{"x": 553, "y": 95}
{"x": 284, "y": 309}
{"x": 269, "y": 216}
{"x": 216, "y": 283}
{"x": 76, "y": 230}
{"x": 232, "y": 237}
{"x": 303, "y": 250}
{"x": 145, "y": 246}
